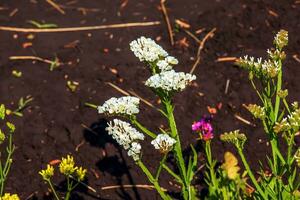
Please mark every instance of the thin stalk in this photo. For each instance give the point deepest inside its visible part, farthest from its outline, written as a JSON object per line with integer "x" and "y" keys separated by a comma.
{"x": 278, "y": 88}
{"x": 142, "y": 128}
{"x": 52, "y": 188}
{"x": 252, "y": 177}
{"x": 210, "y": 164}
{"x": 178, "y": 179}
{"x": 69, "y": 185}
{"x": 163, "y": 195}
{"x": 160, "y": 167}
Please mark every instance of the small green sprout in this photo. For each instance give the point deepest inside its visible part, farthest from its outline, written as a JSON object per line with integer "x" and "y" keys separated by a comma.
{"x": 42, "y": 25}
{"x": 16, "y": 73}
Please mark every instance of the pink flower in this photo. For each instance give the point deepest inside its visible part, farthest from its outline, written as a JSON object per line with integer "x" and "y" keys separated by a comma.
{"x": 196, "y": 126}
{"x": 204, "y": 128}
{"x": 207, "y": 136}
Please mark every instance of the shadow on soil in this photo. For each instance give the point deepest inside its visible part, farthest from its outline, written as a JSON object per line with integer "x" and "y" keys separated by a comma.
{"x": 115, "y": 165}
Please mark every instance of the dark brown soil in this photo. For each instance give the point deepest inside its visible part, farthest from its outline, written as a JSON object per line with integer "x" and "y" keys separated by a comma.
{"x": 52, "y": 125}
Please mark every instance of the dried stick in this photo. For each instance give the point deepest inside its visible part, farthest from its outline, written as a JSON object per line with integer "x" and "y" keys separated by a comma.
{"x": 33, "y": 58}
{"x": 165, "y": 13}
{"x": 131, "y": 92}
{"x": 192, "y": 36}
{"x": 56, "y": 6}
{"x": 148, "y": 187}
{"x": 227, "y": 59}
{"x": 73, "y": 29}
{"x": 243, "y": 120}
{"x": 210, "y": 34}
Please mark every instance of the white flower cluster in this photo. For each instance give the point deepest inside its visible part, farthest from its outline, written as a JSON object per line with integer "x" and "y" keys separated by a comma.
{"x": 120, "y": 106}
{"x": 170, "y": 80}
{"x": 126, "y": 136}
{"x": 163, "y": 142}
{"x": 147, "y": 50}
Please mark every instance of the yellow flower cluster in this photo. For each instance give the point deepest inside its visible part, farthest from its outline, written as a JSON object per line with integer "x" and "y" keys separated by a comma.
{"x": 68, "y": 168}
{"x": 47, "y": 173}
{"x": 8, "y": 196}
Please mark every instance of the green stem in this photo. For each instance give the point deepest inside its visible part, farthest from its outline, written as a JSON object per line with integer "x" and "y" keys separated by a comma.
{"x": 163, "y": 195}
{"x": 142, "y": 128}
{"x": 69, "y": 185}
{"x": 160, "y": 166}
{"x": 91, "y": 105}
{"x": 53, "y": 190}
{"x": 211, "y": 165}
{"x": 252, "y": 177}
{"x": 178, "y": 179}
{"x": 177, "y": 150}
{"x": 278, "y": 88}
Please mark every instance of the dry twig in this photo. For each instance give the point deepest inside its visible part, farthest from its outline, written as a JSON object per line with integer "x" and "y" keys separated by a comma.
{"x": 296, "y": 58}
{"x": 147, "y": 187}
{"x": 56, "y": 6}
{"x": 165, "y": 13}
{"x": 243, "y": 120}
{"x": 73, "y": 29}
{"x": 34, "y": 58}
{"x": 210, "y": 34}
{"x": 227, "y": 59}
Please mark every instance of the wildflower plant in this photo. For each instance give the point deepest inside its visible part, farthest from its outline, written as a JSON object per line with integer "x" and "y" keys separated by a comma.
{"x": 74, "y": 176}
{"x": 164, "y": 82}
{"x": 279, "y": 120}
{"x": 6, "y": 158}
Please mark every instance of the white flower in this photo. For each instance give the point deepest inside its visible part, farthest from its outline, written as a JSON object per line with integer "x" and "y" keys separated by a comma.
{"x": 163, "y": 65}
{"x": 170, "y": 80}
{"x": 163, "y": 142}
{"x": 147, "y": 50}
{"x": 135, "y": 151}
{"x": 120, "y": 106}
{"x": 123, "y": 133}
{"x": 171, "y": 60}
{"x": 166, "y": 64}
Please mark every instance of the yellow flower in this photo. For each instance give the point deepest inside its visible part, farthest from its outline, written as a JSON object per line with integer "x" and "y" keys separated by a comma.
{"x": 8, "y": 196}
{"x": 80, "y": 173}
{"x": 67, "y": 166}
{"x": 47, "y": 173}
{"x": 231, "y": 165}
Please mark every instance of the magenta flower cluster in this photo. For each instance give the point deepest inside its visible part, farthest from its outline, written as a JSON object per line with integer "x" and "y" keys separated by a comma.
{"x": 204, "y": 128}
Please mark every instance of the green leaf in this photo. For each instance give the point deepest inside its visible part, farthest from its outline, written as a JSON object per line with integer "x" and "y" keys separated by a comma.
{"x": 11, "y": 127}
{"x": 2, "y": 111}
{"x": 192, "y": 165}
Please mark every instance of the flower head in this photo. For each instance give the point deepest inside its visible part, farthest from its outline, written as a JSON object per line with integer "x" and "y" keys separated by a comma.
{"x": 163, "y": 142}
{"x": 234, "y": 137}
{"x": 120, "y": 106}
{"x": 67, "y": 166}
{"x": 281, "y": 39}
{"x": 80, "y": 173}
{"x": 8, "y": 196}
{"x": 47, "y": 173}
{"x": 230, "y": 165}
{"x": 204, "y": 128}
{"x": 147, "y": 50}
{"x": 256, "y": 111}
{"x": 170, "y": 81}
{"x": 135, "y": 151}
{"x": 2, "y": 136}
{"x": 123, "y": 133}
